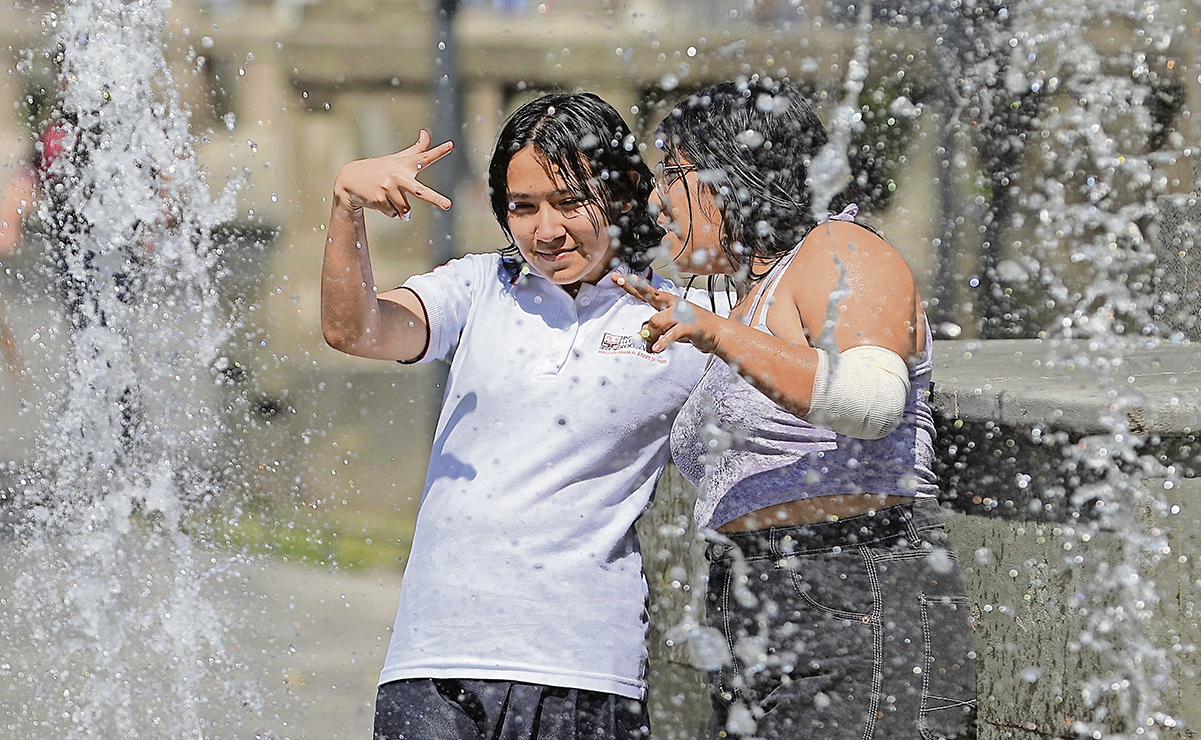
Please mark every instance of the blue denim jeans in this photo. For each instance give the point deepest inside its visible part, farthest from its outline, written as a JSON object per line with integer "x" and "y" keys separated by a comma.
{"x": 846, "y": 630}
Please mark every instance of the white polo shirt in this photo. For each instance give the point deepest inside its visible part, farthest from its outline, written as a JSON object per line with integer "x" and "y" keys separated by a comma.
{"x": 525, "y": 566}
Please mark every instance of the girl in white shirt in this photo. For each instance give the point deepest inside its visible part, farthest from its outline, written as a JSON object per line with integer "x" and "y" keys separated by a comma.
{"x": 522, "y": 612}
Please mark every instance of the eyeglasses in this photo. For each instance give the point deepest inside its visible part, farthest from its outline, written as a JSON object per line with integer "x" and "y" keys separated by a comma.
{"x": 667, "y": 174}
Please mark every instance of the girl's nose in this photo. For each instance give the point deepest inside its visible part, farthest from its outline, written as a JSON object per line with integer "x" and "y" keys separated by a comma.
{"x": 549, "y": 225}
{"x": 658, "y": 208}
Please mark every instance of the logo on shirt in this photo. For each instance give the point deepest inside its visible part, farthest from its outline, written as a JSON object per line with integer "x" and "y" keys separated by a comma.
{"x": 618, "y": 344}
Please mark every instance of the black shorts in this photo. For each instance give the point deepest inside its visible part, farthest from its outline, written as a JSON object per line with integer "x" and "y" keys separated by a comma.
{"x": 463, "y": 709}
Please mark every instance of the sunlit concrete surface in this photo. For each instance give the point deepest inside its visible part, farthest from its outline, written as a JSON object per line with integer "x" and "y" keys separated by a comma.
{"x": 1066, "y": 595}
{"x": 1072, "y": 384}
{"x": 317, "y": 640}
{"x": 302, "y": 649}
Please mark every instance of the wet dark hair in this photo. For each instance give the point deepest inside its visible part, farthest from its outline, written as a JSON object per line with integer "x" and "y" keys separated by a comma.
{"x": 752, "y": 142}
{"x": 597, "y": 156}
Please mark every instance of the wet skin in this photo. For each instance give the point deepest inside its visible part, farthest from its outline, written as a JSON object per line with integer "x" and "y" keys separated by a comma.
{"x": 690, "y": 213}
{"x": 559, "y": 234}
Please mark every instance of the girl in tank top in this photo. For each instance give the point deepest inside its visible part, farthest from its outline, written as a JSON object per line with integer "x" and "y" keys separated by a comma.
{"x": 810, "y": 437}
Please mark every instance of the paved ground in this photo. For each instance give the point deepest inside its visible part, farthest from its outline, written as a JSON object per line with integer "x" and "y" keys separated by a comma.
{"x": 306, "y": 647}
{"x": 319, "y": 639}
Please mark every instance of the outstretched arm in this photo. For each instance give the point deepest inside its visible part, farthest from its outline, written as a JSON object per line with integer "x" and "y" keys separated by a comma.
{"x": 782, "y": 368}
{"x": 846, "y": 290}
{"x": 355, "y": 318}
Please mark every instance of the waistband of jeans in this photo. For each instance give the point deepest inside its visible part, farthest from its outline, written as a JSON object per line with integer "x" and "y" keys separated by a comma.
{"x": 902, "y": 520}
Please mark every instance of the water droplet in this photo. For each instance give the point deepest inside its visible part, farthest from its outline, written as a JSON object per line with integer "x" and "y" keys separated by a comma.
{"x": 740, "y": 720}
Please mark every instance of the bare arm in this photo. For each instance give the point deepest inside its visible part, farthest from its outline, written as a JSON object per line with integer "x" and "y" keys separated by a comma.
{"x": 844, "y": 275}
{"x": 849, "y": 279}
{"x": 782, "y": 368}
{"x": 355, "y": 318}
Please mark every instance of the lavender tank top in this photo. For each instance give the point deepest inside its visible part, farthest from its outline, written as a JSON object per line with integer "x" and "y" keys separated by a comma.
{"x": 745, "y": 452}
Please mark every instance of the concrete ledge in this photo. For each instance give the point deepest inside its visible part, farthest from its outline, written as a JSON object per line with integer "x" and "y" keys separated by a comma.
{"x": 1064, "y": 384}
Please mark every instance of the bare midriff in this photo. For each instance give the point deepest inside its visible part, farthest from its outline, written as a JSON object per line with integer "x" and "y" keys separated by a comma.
{"x": 812, "y": 511}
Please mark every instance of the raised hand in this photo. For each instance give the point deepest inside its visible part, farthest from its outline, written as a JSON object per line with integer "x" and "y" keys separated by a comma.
{"x": 677, "y": 320}
{"x": 384, "y": 183}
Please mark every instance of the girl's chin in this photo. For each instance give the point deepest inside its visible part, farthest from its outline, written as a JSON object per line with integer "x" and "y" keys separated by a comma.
{"x": 560, "y": 273}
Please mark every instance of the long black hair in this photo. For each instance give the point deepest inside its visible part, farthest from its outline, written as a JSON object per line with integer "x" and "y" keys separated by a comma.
{"x": 752, "y": 142}
{"x": 587, "y": 141}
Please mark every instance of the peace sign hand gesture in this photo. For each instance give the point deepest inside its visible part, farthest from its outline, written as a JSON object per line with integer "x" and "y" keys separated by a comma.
{"x": 383, "y": 183}
{"x": 677, "y": 320}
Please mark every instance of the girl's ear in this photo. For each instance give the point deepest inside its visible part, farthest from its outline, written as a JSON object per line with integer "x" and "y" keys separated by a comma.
{"x": 635, "y": 178}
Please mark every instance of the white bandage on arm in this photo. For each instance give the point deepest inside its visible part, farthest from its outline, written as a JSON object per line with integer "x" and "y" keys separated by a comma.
{"x": 864, "y": 396}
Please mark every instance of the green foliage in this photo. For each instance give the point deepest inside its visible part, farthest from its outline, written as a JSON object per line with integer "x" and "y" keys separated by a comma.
{"x": 294, "y": 536}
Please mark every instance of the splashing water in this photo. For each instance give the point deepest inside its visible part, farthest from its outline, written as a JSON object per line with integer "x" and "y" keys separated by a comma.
{"x": 108, "y": 580}
{"x": 1082, "y": 193}
{"x": 831, "y": 169}
{"x": 112, "y": 588}
{"x": 1092, "y": 194}
{"x": 1075, "y": 203}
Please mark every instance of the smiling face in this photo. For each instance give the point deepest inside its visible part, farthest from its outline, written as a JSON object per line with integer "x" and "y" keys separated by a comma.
{"x": 690, "y": 213}
{"x": 558, "y": 232}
